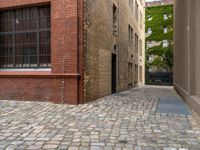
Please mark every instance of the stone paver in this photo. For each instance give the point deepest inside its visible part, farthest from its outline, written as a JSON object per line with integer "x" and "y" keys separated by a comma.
{"x": 124, "y": 121}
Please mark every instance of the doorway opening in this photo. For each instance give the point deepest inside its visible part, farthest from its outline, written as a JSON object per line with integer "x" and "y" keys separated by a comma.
{"x": 114, "y": 74}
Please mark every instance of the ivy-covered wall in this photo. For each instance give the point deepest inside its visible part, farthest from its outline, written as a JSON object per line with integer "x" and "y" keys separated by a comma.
{"x": 163, "y": 57}
{"x": 158, "y": 23}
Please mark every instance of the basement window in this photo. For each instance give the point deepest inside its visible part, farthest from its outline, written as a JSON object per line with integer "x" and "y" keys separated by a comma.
{"x": 25, "y": 38}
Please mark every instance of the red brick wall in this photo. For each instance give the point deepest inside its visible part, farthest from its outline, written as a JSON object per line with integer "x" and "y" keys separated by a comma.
{"x": 66, "y": 48}
{"x": 38, "y": 89}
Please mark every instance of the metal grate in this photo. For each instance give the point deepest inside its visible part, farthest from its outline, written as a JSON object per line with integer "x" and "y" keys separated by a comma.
{"x": 172, "y": 105}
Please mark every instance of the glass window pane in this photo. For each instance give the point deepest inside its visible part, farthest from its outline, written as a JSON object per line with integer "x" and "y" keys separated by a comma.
{"x": 26, "y": 25}
{"x": 34, "y": 12}
{"x": 43, "y": 37}
{"x": 43, "y": 23}
{"x": 10, "y": 51}
{"x": 49, "y": 60}
{"x": 25, "y": 56}
{"x": 2, "y": 26}
{"x": 18, "y": 24}
{"x": 1, "y": 62}
{"x": 44, "y": 11}
{"x": 1, "y": 47}
{"x": 33, "y": 24}
{"x": 33, "y": 49}
{"x": 18, "y": 61}
{"x": 48, "y": 37}
{"x": 10, "y": 16}
{"x": 43, "y": 61}
{"x": 43, "y": 50}
{"x": 8, "y": 39}
{"x": 25, "y": 50}
{"x": 26, "y": 13}
{"x": 18, "y": 21}
{"x": 33, "y": 38}
{"x": 33, "y": 61}
{"x": 48, "y": 49}
{"x": 25, "y": 61}
{"x": 3, "y": 56}
{"x": 2, "y": 39}
{"x": 3, "y": 17}
{"x": 48, "y": 22}
{"x": 26, "y": 38}
{"x": 10, "y": 63}
{"x": 18, "y": 50}
{"x": 8, "y": 26}
{"x": 5, "y": 51}
{"x": 18, "y": 39}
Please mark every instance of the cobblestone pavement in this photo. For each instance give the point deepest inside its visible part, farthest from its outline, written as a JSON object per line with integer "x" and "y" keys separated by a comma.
{"x": 125, "y": 121}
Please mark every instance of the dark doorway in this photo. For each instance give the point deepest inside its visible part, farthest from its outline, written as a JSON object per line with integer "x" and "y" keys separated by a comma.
{"x": 114, "y": 74}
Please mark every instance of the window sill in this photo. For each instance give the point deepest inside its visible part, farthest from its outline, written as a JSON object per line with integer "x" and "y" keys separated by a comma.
{"x": 25, "y": 69}
{"x": 37, "y": 74}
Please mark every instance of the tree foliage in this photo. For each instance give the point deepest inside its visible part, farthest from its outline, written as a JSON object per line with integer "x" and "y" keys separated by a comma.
{"x": 164, "y": 56}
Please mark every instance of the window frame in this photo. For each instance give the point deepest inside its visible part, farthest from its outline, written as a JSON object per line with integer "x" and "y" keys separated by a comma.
{"x": 33, "y": 17}
{"x": 130, "y": 36}
{"x": 165, "y": 43}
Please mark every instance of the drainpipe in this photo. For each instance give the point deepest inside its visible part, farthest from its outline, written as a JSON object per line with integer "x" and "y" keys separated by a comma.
{"x": 79, "y": 72}
{"x": 63, "y": 82}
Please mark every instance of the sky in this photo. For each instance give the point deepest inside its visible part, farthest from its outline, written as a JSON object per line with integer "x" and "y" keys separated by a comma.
{"x": 148, "y": 0}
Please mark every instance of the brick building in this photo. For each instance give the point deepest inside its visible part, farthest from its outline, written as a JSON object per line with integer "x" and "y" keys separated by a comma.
{"x": 70, "y": 51}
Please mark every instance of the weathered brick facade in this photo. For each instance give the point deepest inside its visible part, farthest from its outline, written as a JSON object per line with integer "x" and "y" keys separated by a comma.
{"x": 99, "y": 46}
{"x": 62, "y": 83}
{"x": 81, "y": 49}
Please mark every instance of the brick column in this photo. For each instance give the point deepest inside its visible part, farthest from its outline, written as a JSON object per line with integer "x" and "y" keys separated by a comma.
{"x": 67, "y": 45}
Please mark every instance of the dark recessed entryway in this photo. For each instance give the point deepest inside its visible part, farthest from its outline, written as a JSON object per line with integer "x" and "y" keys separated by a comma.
{"x": 114, "y": 74}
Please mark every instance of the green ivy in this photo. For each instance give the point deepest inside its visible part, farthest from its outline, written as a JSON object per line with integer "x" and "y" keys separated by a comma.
{"x": 164, "y": 57}
{"x": 158, "y": 23}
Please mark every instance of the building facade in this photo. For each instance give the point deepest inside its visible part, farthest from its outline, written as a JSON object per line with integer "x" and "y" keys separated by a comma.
{"x": 159, "y": 35}
{"x": 159, "y": 42}
{"x": 186, "y": 52}
{"x": 70, "y": 51}
{"x": 114, "y": 36}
